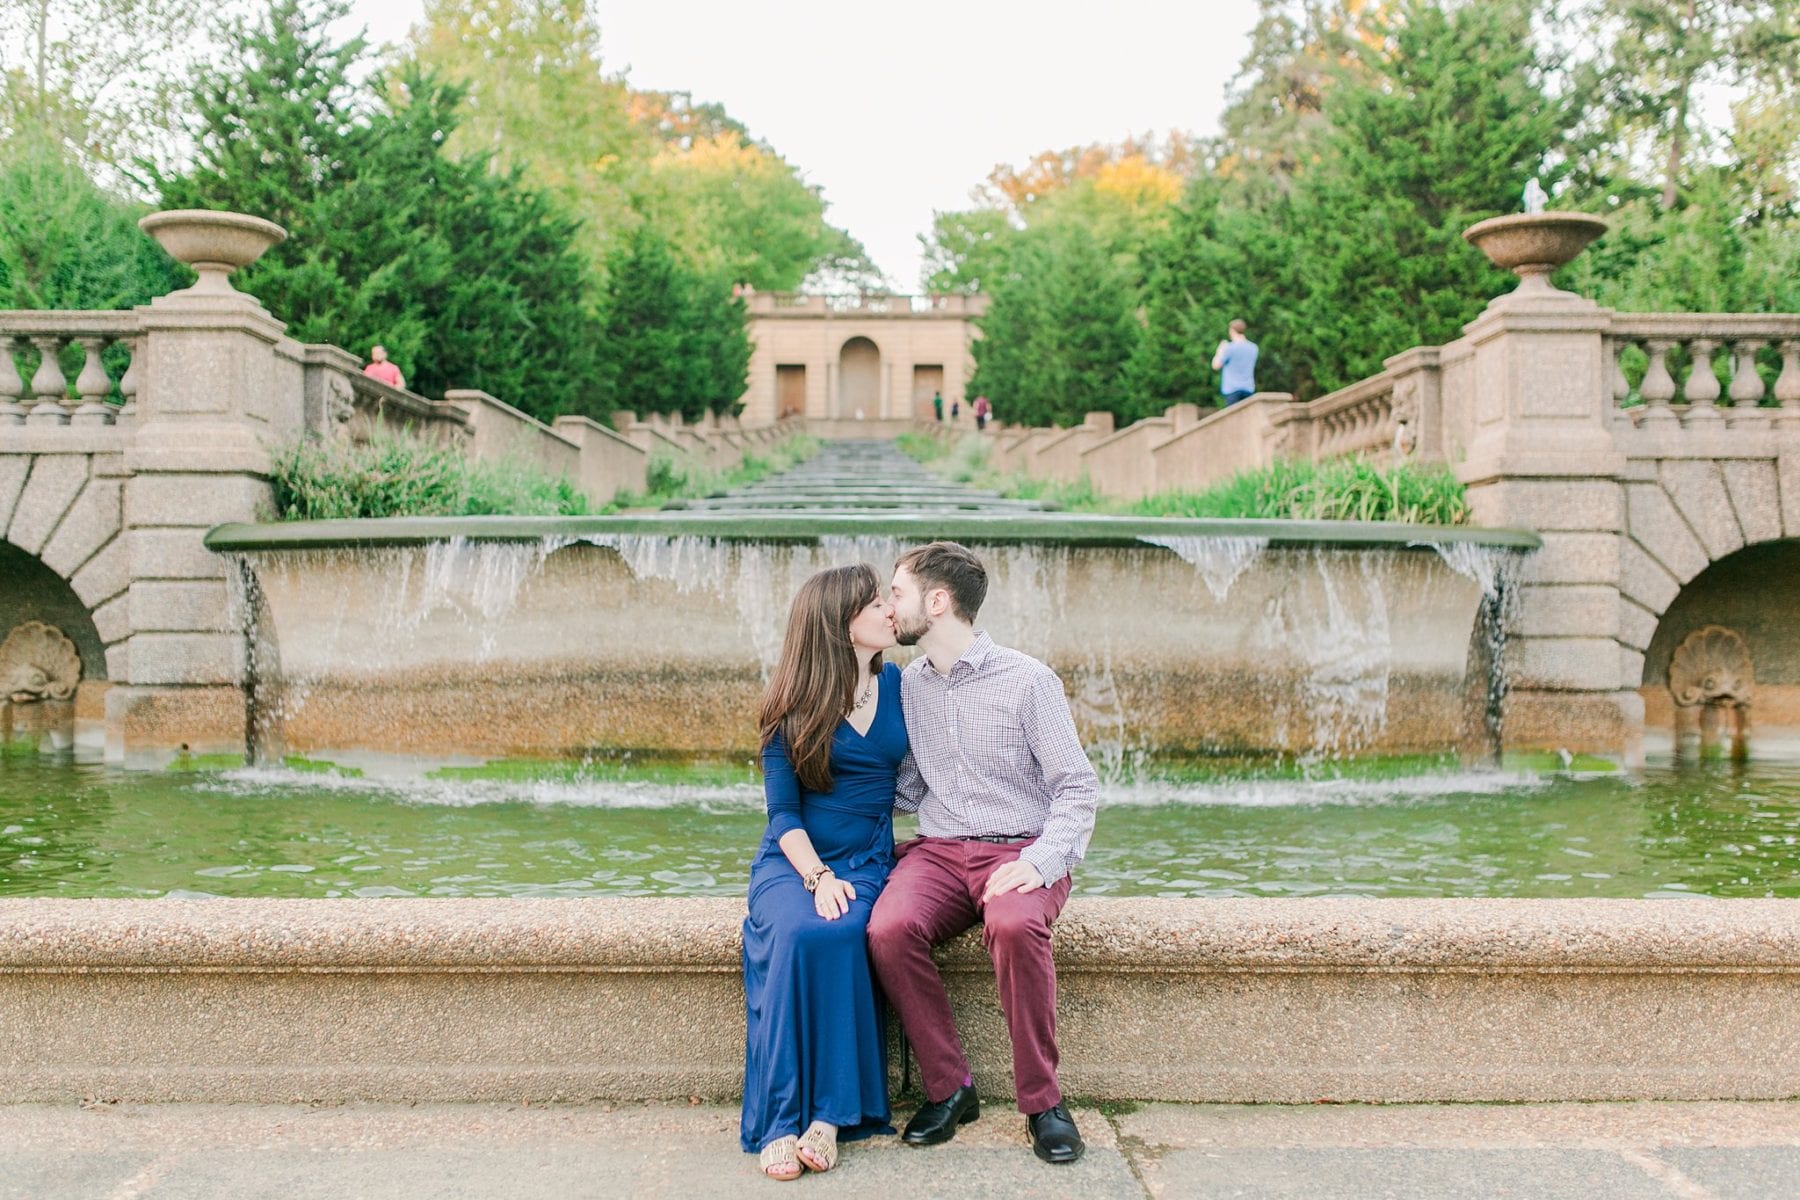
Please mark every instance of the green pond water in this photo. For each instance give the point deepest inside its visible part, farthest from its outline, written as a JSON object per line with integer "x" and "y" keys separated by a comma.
{"x": 84, "y": 830}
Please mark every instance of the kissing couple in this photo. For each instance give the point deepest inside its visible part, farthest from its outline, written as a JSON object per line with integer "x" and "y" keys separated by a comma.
{"x": 975, "y": 738}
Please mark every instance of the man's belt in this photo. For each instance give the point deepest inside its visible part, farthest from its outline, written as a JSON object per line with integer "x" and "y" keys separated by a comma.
{"x": 1003, "y": 839}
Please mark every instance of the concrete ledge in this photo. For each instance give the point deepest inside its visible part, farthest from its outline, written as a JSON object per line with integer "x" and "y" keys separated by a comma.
{"x": 1239, "y": 1000}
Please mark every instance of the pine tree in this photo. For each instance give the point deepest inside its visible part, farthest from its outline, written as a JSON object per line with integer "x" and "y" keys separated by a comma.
{"x": 463, "y": 272}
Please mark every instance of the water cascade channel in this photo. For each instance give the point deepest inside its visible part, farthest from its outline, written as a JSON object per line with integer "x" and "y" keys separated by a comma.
{"x": 441, "y": 639}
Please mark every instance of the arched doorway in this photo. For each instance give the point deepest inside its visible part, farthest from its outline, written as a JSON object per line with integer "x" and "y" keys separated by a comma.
{"x": 859, "y": 379}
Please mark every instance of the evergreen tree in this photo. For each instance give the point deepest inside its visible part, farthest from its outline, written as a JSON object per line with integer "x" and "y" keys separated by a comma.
{"x": 642, "y": 313}
{"x": 462, "y": 271}
{"x": 1060, "y": 330}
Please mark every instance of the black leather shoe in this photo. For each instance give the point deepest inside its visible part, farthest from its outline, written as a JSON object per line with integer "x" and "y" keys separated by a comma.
{"x": 936, "y": 1122}
{"x": 1054, "y": 1137}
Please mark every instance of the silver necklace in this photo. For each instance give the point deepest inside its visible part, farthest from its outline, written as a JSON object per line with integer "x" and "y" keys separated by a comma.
{"x": 868, "y": 694}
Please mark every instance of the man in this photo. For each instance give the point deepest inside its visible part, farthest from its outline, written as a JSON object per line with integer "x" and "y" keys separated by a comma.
{"x": 1005, "y": 798}
{"x": 982, "y": 411}
{"x": 1236, "y": 364}
{"x": 937, "y": 405}
{"x": 380, "y": 368}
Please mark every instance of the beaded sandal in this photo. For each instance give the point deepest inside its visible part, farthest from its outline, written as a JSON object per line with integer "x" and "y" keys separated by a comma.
{"x": 818, "y": 1146}
{"x": 778, "y": 1161}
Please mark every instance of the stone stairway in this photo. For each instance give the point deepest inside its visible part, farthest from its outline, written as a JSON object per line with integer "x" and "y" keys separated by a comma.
{"x": 858, "y": 477}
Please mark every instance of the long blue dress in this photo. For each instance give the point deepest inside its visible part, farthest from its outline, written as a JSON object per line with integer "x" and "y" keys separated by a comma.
{"x": 815, "y": 1048}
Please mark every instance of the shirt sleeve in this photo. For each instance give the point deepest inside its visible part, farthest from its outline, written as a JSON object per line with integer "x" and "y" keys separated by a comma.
{"x": 781, "y": 788}
{"x": 909, "y": 786}
{"x": 1074, "y": 787}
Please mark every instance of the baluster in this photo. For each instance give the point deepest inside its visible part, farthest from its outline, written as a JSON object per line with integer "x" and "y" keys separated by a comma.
{"x": 92, "y": 385}
{"x": 128, "y": 382}
{"x": 11, "y": 386}
{"x": 1746, "y": 383}
{"x": 48, "y": 385}
{"x": 1702, "y": 389}
{"x": 1787, "y": 384}
{"x": 1621, "y": 386}
{"x": 1658, "y": 387}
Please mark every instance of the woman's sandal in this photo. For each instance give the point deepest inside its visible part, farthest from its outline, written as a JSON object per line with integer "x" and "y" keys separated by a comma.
{"x": 818, "y": 1146}
{"x": 778, "y": 1161}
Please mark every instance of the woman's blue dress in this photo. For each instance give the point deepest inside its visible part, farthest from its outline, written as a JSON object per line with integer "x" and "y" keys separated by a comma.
{"x": 815, "y": 1047}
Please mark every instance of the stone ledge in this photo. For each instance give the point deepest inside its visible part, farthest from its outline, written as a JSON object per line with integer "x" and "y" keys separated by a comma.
{"x": 1095, "y": 934}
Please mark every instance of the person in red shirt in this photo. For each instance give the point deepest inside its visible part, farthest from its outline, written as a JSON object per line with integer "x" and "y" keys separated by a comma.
{"x": 380, "y": 368}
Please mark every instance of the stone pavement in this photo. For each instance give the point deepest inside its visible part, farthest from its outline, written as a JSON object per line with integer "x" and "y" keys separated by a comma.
{"x": 1686, "y": 1151}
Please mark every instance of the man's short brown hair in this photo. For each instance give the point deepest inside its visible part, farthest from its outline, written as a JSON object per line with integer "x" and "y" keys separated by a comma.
{"x": 953, "y": 567}
{"x": 1237, "y": 326}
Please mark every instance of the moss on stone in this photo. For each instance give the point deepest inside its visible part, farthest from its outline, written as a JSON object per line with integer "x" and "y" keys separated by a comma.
{"x": 319, "y": 766}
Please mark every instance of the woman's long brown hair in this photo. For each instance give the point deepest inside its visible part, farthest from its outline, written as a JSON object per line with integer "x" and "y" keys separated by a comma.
{"x": 815, "y": 681}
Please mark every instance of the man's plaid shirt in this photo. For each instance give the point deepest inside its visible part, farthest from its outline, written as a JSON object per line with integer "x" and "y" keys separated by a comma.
{"x": 994, "y": 751}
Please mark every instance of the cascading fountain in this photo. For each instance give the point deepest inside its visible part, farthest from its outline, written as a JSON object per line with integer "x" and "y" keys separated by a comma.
{"x": 444, "y": 638}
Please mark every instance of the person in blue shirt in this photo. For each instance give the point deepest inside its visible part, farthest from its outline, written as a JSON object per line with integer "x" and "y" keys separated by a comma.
{"x": 1236, "y": 364}
{"x": 815, "y": 1050}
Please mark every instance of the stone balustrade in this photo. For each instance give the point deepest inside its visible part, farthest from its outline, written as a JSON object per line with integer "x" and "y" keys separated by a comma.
{"x": 41, "y": 396}
{"x": 1721, "y": 382}
{"x": 856, "y": 304}
{"x": 1355, "y": 420}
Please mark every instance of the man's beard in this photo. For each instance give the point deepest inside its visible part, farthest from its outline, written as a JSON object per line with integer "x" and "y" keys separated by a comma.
{"x": 908, "y": 630}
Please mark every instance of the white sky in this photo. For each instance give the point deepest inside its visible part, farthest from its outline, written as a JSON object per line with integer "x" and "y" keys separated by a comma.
{"x": 897, "y": 110}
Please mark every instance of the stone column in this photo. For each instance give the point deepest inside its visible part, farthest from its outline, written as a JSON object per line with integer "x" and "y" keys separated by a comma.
{"x": 221, "y": 387}
{"x": 1542, "y": 456}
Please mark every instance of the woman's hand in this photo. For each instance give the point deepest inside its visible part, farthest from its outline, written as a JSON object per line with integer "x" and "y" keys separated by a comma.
{"x": 832, "y": 899}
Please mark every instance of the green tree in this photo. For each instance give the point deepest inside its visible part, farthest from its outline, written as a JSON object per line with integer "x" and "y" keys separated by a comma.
{"x": 66, "y": 243}
{"x": 463, "y": 271}
{"x": 675, "y": 339}
{"x": 102, "y": 77}
{"x": 1662, "y": 54}
{"x": 540, "y": 101}
{"x": 1060, "y": 331}
{"x": 735, "y": 208}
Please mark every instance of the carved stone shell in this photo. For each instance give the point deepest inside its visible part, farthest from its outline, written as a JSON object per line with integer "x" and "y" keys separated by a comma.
{"x": 38, "y": 662}
{"x": 1712, "y": 666}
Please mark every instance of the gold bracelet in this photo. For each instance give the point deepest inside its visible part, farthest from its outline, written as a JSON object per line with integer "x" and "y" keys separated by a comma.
{"x": 811, "y": 880}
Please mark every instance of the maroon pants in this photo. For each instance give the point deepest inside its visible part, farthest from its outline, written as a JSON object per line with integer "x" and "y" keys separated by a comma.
{"x": 934, "y": 894}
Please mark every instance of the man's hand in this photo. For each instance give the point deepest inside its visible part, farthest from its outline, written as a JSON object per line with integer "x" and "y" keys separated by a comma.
{"x": 833, "y": 898}
{"x": 1015, "y": 876}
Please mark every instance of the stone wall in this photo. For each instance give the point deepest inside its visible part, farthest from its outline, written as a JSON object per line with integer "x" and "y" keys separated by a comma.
{"x": 1287, "y": 1000}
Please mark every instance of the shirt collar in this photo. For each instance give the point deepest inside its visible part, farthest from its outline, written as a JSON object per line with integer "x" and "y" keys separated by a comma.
{"x": 974, "y": 656}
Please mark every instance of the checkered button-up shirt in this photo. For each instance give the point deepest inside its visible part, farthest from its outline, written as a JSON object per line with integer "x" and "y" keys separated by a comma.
{"x": 994, "y": 751}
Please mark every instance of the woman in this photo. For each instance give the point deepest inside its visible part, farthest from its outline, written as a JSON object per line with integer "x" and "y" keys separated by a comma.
{"x": 815, "y": 1059}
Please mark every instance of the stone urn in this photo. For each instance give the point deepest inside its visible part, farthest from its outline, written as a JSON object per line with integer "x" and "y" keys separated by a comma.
{"x": 1533, "y": 245}
{"x": 213, "y": 243}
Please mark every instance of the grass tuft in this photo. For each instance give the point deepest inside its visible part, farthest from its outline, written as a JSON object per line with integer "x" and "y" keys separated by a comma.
{"x": 396, "y": 475}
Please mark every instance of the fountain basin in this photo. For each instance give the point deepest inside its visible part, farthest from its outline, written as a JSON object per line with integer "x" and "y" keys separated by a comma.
{"x": 576, "y": 637}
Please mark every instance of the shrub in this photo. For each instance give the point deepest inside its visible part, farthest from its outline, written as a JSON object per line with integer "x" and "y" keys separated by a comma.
{"x": 1345, "y": 489}
{"x": 396, "y": 475}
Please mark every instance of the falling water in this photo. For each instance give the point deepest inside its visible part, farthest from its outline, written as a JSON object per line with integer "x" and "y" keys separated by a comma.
{"x": 526, "y": 647}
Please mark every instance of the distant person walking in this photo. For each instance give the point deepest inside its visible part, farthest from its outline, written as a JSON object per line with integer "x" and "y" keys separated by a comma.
{"x": 380, "y": 368}
{"x": 937, "y": 405}
{"x": 955, "y": 411}
{"x": 1236, "y": 364}
{"x": 982, "y": 409}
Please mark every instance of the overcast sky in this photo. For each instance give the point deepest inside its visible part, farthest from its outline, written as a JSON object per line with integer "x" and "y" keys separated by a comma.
{"x": 896, "y": 110}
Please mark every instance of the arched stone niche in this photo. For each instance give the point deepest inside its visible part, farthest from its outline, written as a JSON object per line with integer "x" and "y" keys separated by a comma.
{"x": 859, "y": 379}
{"x": 30, "y": 591}
{"x": 1754, "y": 592}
